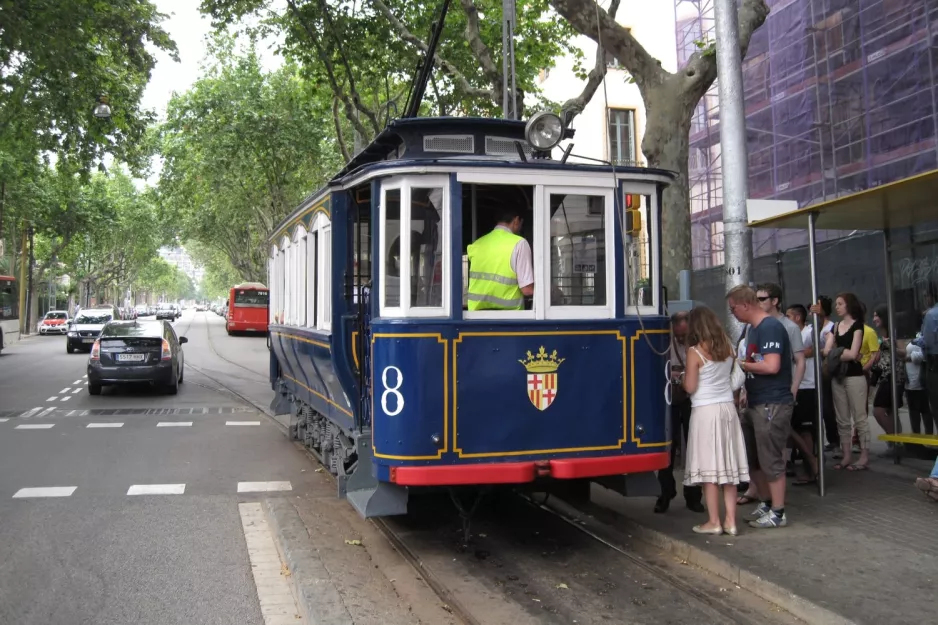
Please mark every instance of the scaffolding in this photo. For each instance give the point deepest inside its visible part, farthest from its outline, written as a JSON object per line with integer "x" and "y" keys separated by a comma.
{"x": 840, "y": 97}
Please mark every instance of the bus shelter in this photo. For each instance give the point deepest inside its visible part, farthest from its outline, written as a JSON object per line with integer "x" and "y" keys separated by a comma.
{"x": 891, "y": 208}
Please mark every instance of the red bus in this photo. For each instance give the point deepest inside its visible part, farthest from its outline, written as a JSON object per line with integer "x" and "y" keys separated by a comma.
{"x": 247, "y": 308}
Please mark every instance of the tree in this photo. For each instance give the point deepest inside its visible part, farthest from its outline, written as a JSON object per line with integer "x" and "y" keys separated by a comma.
{"x": 58, "y": 56}
{"x": 241, "y": 148}
{"x": 670, "y": 100}
{"x": 366, "y": 53}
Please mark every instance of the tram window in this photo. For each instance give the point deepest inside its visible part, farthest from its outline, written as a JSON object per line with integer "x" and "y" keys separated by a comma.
{"x": 640, "y": 276}
{"x": 426, "y": 242}
{"x": 392, "y": 252}
{"x": 482, "y": 204}
{"x": 577, "y": 250}
{"x": 312, "y": 282}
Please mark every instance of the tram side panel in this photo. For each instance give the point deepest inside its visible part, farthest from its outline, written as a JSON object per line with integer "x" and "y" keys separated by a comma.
{"x": 586, "y": 398}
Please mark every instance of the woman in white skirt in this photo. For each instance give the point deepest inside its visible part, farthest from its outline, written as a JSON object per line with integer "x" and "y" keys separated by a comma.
{"x": 716, "y": 451}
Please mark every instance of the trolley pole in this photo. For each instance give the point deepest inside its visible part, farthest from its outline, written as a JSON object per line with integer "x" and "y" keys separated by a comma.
{"x": 24, "y": 261}
{"x": 737, "y": 238}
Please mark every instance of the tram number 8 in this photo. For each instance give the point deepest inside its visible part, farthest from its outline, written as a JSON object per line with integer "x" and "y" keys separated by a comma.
{"x": 393, "y": 391}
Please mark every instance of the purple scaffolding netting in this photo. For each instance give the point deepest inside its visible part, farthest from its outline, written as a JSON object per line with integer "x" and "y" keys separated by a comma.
{"x": 840, "y": 97}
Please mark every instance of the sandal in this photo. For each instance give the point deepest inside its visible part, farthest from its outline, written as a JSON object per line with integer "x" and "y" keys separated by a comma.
{"x": 839, "y": 466}
{"x": 857, "y": 467}
{"x": 744, "y": 499}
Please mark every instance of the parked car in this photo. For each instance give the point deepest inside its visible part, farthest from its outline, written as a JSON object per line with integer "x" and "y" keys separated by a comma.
{"x": 166, "y": 311}
{"x": 54, "y": 322}
{"x": 130, "y": 352}
{"x": 84, "y": 329}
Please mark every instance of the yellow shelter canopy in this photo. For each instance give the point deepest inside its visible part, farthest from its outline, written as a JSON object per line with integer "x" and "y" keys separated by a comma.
{"x": 898, "y": 204}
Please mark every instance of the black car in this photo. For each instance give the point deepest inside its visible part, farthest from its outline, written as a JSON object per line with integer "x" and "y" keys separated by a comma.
{"x": 137, "y": 351}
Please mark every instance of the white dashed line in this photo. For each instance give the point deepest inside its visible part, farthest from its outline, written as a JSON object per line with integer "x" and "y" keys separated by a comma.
{"x": 104, "y": 425}
{"x": 71, "y": 413}
{"x": 242, "y": 422}
{"x": 84, "y": 377}
{"x": 67, "y": 397}
{"x": 65, "y": 390}
{"x": 30, "y": 413}
{"x": 263, "y": 487}
{"x": 53, "y": 398}
{"x": 46, "y": 411}
{"x": 76, "y": 391}
{"x": 34, "y": 426}
{"x": 174, "y": 424}
{"x": 274, "y": 592}
{"x": 157, "y": 489}
{"x": 45, "y": 491}
{"x": 78, "y": 382}
{"x": 4, "y": 420}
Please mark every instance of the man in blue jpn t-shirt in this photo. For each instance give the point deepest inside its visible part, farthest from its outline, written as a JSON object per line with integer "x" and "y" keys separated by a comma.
{"x": 767, "y": 404}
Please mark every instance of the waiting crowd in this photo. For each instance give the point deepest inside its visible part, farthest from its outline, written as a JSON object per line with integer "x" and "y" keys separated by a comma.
{"x": 749, "y": 411}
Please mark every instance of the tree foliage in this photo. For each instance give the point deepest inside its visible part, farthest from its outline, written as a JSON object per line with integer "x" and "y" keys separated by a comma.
{"x": 162, "y": 279}
{"x": 58, "y": 56}
{"x": 365, "y": 53}
{"x": 241, "y": 148}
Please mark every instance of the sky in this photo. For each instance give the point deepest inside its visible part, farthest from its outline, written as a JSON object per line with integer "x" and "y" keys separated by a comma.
{"x": 189, "y": 29}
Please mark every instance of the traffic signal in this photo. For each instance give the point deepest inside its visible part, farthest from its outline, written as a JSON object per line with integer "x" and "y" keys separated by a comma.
{"x": 633, "y": 214}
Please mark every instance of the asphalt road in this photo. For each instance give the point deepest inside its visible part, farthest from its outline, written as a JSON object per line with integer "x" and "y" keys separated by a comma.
{"x": 78, "y": 545}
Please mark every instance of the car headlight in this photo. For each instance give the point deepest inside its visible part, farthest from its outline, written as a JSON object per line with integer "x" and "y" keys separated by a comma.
{"x": 544, "y": 130}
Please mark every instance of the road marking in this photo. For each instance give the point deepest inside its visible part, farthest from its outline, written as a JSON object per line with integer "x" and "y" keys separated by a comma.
{"x": 78, "y": 382}
{"x": 76, "y": 391}
{"x": 34, "y": 426}
{"x": 71, "y": 413}
{"x": 104, "y": 425}
{"x": 30, "y": 413}
{"x": 242, "y": 422}
{"x": 45, "y": 491}
{"x": 84, "y": 377}
{"x": 274, "y": 592}
{"x": 46, "y": 411}
{"x": 3, "y": 420}
{"x": 157, "y": 489}
{"x": 67, "y": 397}
{"x": 263, "y": 487}
{"x": 65, "y": 390}
{"x": 171, "y": 424}
{"x": 53, "y": 398}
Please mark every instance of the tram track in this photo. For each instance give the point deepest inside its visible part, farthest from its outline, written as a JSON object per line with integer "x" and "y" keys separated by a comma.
{"x": 439, "y": 558}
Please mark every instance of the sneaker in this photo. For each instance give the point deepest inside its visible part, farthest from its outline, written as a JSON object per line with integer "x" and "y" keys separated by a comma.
{"x": 761, "y": 510}
{"x": 769, "y": 520}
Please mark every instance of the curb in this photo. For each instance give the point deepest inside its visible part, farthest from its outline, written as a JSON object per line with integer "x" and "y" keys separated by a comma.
{"x": 317, "y": 596}
{"x": 796, "y": 605}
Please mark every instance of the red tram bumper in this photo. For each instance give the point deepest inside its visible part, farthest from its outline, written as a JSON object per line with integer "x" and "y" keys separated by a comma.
{"x": 527, "y": 471}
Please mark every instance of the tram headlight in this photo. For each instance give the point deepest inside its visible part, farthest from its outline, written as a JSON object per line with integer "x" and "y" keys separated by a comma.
{"x": 544, "y": 130}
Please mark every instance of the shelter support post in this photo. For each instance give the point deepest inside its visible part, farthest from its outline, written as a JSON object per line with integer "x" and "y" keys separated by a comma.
{"x": 891, "y": 329}
{"x": 818, "y": 379}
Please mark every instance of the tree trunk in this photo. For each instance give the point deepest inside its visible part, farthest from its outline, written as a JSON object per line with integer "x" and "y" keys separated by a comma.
{"x": 665, "y": 145}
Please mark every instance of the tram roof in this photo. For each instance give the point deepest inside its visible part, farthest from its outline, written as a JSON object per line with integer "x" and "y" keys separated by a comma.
{"x": 899, "y": 204}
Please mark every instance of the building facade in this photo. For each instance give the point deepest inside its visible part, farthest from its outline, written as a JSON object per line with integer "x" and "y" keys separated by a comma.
{"x": 177, "y": 256}
{"x": 840, "y": 96}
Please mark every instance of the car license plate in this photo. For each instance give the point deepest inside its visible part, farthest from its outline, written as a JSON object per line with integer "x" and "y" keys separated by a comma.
{"x": 131, "y": 357}
{"x": 87, "y": 340}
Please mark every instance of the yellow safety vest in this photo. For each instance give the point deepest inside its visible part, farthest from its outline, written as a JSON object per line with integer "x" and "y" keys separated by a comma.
{"x": 493, "y": 284}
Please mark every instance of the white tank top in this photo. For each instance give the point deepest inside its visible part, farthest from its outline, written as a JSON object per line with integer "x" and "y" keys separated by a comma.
{"x": 713, "y": 386}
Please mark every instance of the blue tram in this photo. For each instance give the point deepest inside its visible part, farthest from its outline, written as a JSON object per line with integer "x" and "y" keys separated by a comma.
{"x": 395, "y": 385}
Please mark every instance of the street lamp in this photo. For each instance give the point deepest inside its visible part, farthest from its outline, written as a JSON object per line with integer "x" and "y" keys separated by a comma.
{"x": 102, "y": 109}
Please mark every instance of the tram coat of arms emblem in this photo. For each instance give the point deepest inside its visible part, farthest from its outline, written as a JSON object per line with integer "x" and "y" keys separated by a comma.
{"x": 542, "y": 377}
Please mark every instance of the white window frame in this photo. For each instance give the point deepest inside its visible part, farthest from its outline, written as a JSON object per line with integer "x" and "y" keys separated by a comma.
{"x": 282, "y": 279}
{"x": 300, "y": 282}
{"x": 271, "y": 281}
{"x": 542, "y": 273}
{"x": 650, "y": 222}
{"x": 325, "y": 277}
{"x": 405, "y": 184}
{"x": 312, "y": 277}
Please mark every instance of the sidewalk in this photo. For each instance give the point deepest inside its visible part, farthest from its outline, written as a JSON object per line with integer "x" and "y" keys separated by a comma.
{"x": 867, "y": 552}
